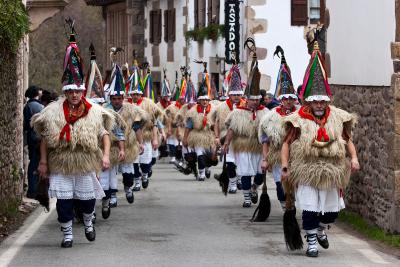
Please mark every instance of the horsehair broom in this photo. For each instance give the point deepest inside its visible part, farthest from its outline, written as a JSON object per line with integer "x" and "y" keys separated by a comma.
{"x": 263, "y": 209}
{"x": 291, "y": 227}
{"x": 223, "y": 178}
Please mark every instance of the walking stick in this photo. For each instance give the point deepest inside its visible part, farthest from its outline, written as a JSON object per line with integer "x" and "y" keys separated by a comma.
{"x": 291, "y": 227}
{"x": 263, "y": 210}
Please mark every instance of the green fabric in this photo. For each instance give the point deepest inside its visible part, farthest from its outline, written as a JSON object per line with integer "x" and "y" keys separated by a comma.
{"x": 311, "y": 77}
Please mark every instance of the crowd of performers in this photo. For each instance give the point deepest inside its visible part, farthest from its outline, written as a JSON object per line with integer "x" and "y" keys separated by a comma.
{"x": 99, "y": 128}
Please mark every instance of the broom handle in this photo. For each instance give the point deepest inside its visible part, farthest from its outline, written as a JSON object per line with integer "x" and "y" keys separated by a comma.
{"x": 264, "y": 188}
{"x": 288, "y": 187}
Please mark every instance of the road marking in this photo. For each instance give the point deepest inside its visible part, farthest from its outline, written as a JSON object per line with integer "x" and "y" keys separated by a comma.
{"x": 372, "y": 256}
{"x": 21, "y": 238}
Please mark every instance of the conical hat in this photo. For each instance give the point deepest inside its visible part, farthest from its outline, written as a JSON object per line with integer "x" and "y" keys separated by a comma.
{"x": 72, "y": 78}
{"x": 253, "y": 83}
{"x": 315, "y": 84}
{"x": 165, "y": 90}
{"x": 94, "y": 81}
{"x": 284, "y": 85}
{"x": 234, "y": 81}
{"x": 134, "y": 80}
{"x": 117, "y": 85}
{"x": 190, "y": 92}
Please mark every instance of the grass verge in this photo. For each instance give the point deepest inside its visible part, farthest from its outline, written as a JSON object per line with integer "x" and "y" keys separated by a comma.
{"x": 370, "y": 231}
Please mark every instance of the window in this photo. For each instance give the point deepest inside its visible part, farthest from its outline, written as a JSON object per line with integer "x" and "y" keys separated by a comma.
{"x": 315, "y": 11}
{"x": 155, "y": 27}
{"x": 302, "y": 10}
{"x": 169, "y": 25}
{"x": 199, "y": 13}
{"x": 213, "y": 12}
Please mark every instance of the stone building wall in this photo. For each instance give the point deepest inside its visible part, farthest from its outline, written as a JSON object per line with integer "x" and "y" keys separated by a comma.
{"x": 11, "y": 118}
{"x": 372, "y": 190}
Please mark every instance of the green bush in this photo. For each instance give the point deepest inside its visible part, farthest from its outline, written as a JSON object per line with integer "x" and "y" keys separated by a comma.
{"x": 14, "y": 24}
{"x": 211, "y": 32}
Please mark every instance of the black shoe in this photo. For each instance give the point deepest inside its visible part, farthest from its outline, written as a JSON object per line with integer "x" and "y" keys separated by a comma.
{"x": 145, "y": 183}
{"x": 136, "y": 187}
{"x": 66, "y": 243}
{"x": 91, "y": 236}
{"x": 232, "y": 191}
{"x": 254, "y": 196}
{"x": 208, "y": 174}
{"x": 312, "y": 253}
{"x": 323, "y": 242}
{"x": 130, "y": 197}
{"x": 246, "y": 204}
{"x": 105, "y": 212}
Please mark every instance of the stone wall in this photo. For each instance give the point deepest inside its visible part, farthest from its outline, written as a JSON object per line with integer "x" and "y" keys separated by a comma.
{"x": 372, "y": 190}
{"x": 11, "y": 97}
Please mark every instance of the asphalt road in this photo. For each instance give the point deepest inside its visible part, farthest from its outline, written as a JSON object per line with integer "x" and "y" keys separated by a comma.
{"x": 180, "y": 222}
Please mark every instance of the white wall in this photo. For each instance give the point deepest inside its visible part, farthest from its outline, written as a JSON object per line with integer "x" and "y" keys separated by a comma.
{"x": 290, "y": 38}
{"x": 358, "y": 41}
{"x": 209, "y": 48}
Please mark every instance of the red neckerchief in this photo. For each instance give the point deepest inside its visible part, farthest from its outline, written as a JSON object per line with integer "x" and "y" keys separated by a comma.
{"x": 178, "y": 105}
{"x": 164, "y": 103}
{"x": 283, "y": 112}
{"x": 73, "y": 116}
{"x": 230, "y": 104}
{"x": 260, "y": 107}
{"x": 306, "y": 113}
{"x": 139, "y": 101}
{"x": 129, "y": 99}
{"x": 204, "y": 111}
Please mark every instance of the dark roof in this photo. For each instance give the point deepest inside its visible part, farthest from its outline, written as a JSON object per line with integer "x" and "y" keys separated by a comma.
{"x": 102, "y": 2}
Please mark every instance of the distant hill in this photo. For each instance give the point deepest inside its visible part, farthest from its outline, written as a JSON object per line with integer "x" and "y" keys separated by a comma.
{"x": 47, "y": 44}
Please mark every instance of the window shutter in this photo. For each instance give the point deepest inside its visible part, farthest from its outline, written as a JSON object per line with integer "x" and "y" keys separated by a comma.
{"x": 172, "y": 25}
{"x": 322, "y": 11}
{"x": 202, "y": 13}
{"x": 151, "y": 30}
{"x": 196, "y": 14}
{"x": 166, "y": 25}
{"x": 299, "y": 14}
{"x": 216, "y": 7}
{"x": 157, "y": 27}
{"x": 210, "y": 12}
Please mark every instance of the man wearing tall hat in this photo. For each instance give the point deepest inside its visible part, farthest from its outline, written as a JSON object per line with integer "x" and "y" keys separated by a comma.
{"x": 198, "y": 136}
{"x": 271, "y": 130}
{"x": 242, "y": 124}
{"x": 150, "y": 134}
{"x": 73, "y": 131}
{"x": 220, "y": 114}
{"x": 318, "y": 154}
{"x": 174, "y": 132}
{"x": 188, "y": 95}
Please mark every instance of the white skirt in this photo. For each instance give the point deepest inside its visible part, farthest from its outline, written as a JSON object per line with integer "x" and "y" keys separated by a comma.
{"x": 311, "y": 199}
{"x": 83, "y": 187}
{"x": 248, "y": 164}
{"x": 230, "y": 156}
{"x": 126, "y": 168}
{"x": 145, "y": 158}
{"x": 108, "y": 178}
{"x": 172, "y": 141}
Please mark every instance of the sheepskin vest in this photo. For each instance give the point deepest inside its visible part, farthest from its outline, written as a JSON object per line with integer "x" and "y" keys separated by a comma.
{"x": 82, "y": 154}
{"x": 322, "y": 167}
{"x": 272, "y": 126}
{"x": 201, "y": 135}
{"x": 131, "y": 114}
{"x": 154, "y": 113}
{"x": 220, "y": 114}
{"x": 114, "y": 149}
{"x": 171, "y": 113}
{"x": 245, "y": 129}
